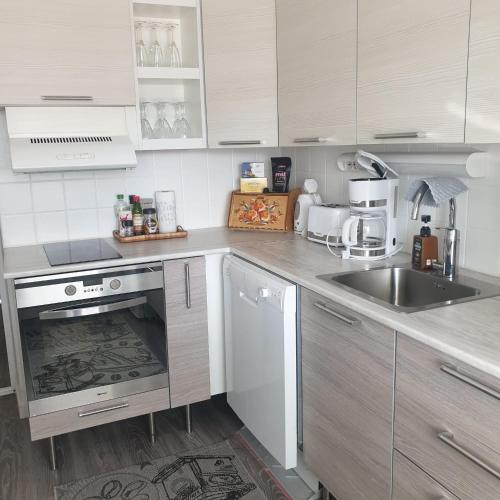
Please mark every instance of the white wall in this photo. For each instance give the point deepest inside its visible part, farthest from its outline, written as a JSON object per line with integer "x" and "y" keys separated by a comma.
{"x": 38, "y": 208}
{"x": 478, "y": 210}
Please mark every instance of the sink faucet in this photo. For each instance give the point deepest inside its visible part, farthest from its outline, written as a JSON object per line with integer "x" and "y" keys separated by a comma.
{"x": 448, "y": 267}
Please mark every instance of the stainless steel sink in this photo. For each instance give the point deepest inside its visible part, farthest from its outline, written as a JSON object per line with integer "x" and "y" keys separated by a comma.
{"x": 406, "y": 290}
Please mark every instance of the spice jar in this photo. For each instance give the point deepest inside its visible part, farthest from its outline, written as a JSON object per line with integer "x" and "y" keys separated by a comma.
{"x": 128, "y": 228}
{"x": 150, "y": 221}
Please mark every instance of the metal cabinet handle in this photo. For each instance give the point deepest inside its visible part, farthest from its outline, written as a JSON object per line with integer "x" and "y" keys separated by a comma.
{"x": 102, "y": 410}
{"x": 342, "y": 317}
{"x": 240, "y": 143}
{"x": 451, "y": 370}
{"x": 447, "y": 438}
{"x": 401, "y": 135}
{"x": 305, "y": 140}
{"x": 187, "y": 279}
{"x": 67, "y": 98}
{"x": 88, "y": 311}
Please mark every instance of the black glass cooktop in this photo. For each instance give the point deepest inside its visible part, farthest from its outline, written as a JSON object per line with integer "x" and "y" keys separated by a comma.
{"x": 74, "y": 252}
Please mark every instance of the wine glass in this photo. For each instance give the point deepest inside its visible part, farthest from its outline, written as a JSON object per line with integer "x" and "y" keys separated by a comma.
{"x": 147, "y": 130}
{"x": 182, "y": 129}
{"x": 155, "y": 51}
{"x": 140, "y": 47}
{"x": 162, "y": 129}
{"x": 172, "y": 54}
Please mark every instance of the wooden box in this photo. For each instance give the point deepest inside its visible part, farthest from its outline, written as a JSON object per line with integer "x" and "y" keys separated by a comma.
{"x": 262, "y": 212}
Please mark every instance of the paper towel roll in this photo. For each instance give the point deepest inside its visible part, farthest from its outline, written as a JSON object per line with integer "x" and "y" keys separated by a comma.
{"x": 165, "y": 208}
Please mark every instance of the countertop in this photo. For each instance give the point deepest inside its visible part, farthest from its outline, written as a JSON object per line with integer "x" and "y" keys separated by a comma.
{"x": 469, "y": 331}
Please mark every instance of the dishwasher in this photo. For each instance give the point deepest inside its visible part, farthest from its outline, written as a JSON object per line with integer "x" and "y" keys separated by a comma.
{"x": 261, "y": 355}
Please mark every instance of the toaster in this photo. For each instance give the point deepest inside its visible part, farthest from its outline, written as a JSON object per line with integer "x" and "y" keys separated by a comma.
{"x": 326, "y": 221}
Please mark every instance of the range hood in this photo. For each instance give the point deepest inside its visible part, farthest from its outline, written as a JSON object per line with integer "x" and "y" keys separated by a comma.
{"x": 70, "y": 138}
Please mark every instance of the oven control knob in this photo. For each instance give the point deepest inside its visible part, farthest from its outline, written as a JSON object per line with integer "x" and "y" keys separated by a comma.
{"x": 70, "y": 290}
{"x": 115, "y": 284}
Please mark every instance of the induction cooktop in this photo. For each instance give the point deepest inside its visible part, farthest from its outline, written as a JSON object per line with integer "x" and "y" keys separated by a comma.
{"x": 74, "y": 252}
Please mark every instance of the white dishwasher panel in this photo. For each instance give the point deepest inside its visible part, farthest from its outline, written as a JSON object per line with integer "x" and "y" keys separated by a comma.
{"x": 261, "y": 359}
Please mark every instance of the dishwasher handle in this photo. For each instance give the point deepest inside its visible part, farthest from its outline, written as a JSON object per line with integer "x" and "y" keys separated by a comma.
{"x": 91, "y": 310}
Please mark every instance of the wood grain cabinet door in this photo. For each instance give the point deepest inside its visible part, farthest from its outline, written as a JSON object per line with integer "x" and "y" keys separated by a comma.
{"x": 187, "y": 330}
{"x": 483, "y": 83}
{"x": 239, "y": 38}
{"x": 316, "y": 71}
{"x": 412, "y": 70}
{"x": 66, "y": 48}
{"x": 348, "y": 370}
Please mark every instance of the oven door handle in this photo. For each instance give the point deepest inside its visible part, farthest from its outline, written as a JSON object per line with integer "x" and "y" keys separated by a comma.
{"x": 91, "y": 310}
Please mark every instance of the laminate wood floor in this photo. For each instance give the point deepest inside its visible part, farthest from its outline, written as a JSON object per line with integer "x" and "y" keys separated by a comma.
{"x": 24, "y": 467}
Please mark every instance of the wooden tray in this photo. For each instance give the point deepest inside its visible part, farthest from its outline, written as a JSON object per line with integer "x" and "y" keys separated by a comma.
{"x": 180, "y": 233}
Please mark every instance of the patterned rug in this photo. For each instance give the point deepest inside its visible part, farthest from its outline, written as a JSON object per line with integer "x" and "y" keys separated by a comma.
{"x": 216, "y": 472}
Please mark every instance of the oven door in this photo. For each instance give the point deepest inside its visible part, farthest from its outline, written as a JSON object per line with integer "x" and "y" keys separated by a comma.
{"x": 93, "y": 350}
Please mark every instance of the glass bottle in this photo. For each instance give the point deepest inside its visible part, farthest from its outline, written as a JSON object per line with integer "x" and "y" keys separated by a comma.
{"x": 137, "y": 216}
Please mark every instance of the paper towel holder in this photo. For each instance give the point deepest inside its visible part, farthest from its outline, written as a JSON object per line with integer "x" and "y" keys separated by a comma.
{"x": 471, "y": 164}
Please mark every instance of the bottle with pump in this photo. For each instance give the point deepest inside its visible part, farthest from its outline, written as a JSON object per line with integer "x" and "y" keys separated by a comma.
{"x": 120, "y": 206}
{"x": 425, "y": 247}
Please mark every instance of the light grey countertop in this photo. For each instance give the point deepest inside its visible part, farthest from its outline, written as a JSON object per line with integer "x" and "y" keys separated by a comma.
{"x": 469, "y": 331}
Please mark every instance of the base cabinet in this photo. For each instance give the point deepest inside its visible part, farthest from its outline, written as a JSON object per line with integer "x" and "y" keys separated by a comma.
{"x": 347, "y": 373}
{"x": 187, "y": 330}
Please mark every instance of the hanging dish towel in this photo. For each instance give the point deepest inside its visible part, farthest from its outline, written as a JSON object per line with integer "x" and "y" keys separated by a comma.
{"x": 440, "y": 189}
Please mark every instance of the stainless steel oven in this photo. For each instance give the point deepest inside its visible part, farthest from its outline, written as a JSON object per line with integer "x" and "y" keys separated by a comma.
{"x": 92, "y": 336}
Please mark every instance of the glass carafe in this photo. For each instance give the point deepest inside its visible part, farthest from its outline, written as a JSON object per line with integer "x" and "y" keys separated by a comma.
{"x": 365, "y": 231}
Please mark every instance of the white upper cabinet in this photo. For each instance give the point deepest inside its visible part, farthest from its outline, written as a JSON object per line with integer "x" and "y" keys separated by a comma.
{"x": 239, "y": 39}
{"x": 483, "y": 87}
{"x": 412, "y": 70}
{"x": 60, "y": 52}
{"x": 317, "y": 71}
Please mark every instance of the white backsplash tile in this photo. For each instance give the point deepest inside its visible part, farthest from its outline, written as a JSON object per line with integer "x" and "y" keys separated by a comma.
{"x": 51, "y": 226}
{"x": 83, "y": 224}
{"x": 20, "y": 229}
{"x": 15, "y": 198}
{"x": 48, "y": 196}
{"x": 80, "y": 193}
{"x": 107, "y": 189}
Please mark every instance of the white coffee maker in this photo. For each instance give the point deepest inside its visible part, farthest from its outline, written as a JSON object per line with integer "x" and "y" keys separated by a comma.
{"x": 371, "y": 231}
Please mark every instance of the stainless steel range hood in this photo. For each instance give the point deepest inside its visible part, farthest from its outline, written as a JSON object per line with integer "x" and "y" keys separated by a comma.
{"x": 71, "y": 138}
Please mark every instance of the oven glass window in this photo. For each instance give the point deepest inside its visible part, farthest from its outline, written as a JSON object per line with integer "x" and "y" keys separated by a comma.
{"x": 94, "y": 343}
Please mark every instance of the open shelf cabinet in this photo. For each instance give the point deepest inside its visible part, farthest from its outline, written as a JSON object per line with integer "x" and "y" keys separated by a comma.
{"x": 166, "y": 84}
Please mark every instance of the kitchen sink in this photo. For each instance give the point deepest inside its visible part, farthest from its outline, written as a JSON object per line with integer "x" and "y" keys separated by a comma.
{"x": 407, "y": 290}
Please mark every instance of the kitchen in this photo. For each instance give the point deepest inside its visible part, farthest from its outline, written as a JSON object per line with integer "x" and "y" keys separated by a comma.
{"x": 219, "y": 362}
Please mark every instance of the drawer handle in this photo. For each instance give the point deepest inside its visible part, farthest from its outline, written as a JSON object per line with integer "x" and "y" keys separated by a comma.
{"x": 447, "y": 438}
{"x": 342, "y": 317}
{"x": 187, "y": 278}
{"x": 401, "y": 135}
{"x": 102, "y": 410}
{"x": 255, "y": 142}
{"x": 451, "y": 370}
{"x": 67, "y": 98}
{"x": 305, "y": 140}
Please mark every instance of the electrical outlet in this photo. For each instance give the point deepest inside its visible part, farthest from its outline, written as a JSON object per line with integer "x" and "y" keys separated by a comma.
{"x": 348, "y": 165}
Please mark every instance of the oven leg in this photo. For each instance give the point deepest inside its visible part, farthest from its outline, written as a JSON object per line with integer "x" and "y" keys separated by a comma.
{"x": 52, "y": 453}
{"x": 189, "y": 421}
{"x": 152, "y": 428}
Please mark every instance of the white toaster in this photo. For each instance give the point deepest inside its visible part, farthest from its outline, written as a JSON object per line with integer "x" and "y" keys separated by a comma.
{"x": 327, "y": 221}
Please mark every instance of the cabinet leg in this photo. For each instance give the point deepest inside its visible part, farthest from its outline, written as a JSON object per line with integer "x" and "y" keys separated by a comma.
{"x": 52, "y": 453}
{"x": 188, "y": 419}
{"x": 152, "y": 428}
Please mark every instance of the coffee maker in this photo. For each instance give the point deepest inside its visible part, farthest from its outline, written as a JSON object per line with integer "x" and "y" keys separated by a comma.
{"x": 371, "y": 231}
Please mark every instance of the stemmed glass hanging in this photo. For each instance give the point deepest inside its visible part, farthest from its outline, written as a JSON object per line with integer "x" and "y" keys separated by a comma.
{"x": 172, "y": 53}
{"x": 162, "y": 129}
{"x": 182, "y": 129}
{"x": 147, "y": 130}
{"x": 140, "y": 47}
{"x": 155, "y": 51}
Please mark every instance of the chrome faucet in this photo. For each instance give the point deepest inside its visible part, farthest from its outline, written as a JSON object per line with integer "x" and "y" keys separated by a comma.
{"x": 448, "y": 267}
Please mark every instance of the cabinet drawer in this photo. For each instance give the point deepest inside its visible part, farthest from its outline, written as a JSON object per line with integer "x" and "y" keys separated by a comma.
{"x": 347, "y": 374}
{"x": 412, "y": 483}
{"x": 447, "y": 420}
{"x": 73, "y": 419}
